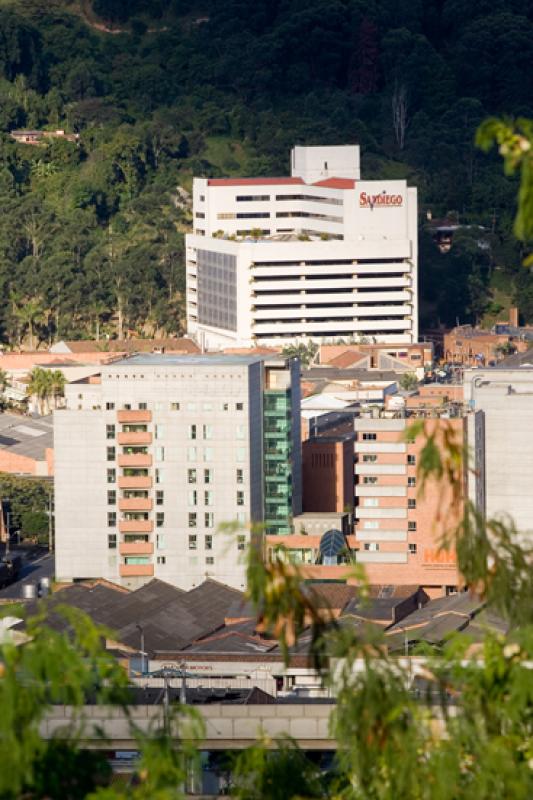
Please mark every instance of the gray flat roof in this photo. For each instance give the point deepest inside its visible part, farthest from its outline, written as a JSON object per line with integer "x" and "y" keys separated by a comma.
{"x": 26, "y": 436}
{"x": 170, "y": 360}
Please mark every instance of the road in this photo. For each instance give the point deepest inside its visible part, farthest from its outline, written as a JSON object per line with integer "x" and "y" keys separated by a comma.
{"x": 32, "y": 572}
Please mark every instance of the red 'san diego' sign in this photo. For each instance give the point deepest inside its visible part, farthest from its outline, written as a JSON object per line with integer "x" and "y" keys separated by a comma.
{"x": 379, "y": 200}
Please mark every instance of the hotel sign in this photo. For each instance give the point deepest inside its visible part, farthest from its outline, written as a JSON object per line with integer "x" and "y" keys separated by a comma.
{"x": 382, "y": 200}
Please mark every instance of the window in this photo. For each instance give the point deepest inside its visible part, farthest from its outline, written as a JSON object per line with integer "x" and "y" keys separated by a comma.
{"x": 207, "y": 431}
{"x": 110, "y": 431}
{"x": 159, "y": 475}
{"x": 111, "y": 519}
{"x": 159, "y": 497}
{"x": 110, "y": 453}
{"x": 240, "y": 476}
{"x": 174, "y": 406}
{"x": 160, "y": 541}
{"x": 137, "y": 560}
{"x": 412, "y": 549}
{"x": 208, "y": 453}
{"x": 191, "y": 406}
{"x": 111, "y": 498}
{"x": 193, "y": 497}
{"x": 370, "y": 459}
{"x": 239, "y": 406}
{"x": 208, "y": 541}
{"x": 411, "y": 459}
{"x": 241, "y": 518}
{"x": 192, "y": 541}
{"x": 240, "y": 432}
{"x": 411, "y": 482}
{"x": 109, "y": 406}
{"x": 370, "y": 502}
{"x": 370, "y": 523}
{"x": 127, "y": 406}
{"x": 411, "y": 503}
{"x": 208, "y": 476}
{"x": 208, "y": 498}
{"x": 158, "y": 405}
{"x": 369, "y": 437}
{"x": 160, "y": 453}
{"x": 411, "y": 526}
{"x": 112, "y": 541}
{"x": 160, "y": 519}
{"x": 207, "y": 406}
{"x": 241, "y": 542}
{"x": 240, "y": 498}
{"x": 240, "y": 454}
{"x": 111, "y": 475}
{"x": 192, "y": 519}
{"x": 249, "y": 197}
{"x": 209, "y": 560}
{"x": 159, "y": 432}
{"x": 142, "y": 406}
{"x": 191, "y": 454}
{"x": 191, "y": 476}
{"x": 373, "y": 547}
{"x": 161, "y": 559}
{"x": 370, "y": 480}
{"x": 225, "y": 406}
{"x": 209, "y": 519}
{"x": 192, "y": 431}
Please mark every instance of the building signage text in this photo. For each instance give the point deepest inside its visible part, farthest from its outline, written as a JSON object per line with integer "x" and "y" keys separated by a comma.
{"x": 379, "y": 200}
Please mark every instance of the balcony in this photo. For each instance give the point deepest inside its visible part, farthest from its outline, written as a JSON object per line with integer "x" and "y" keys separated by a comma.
{"x": 136, "y": 570}
{"x": 135, "y": 482}
{"x": 135, "y": 437}
{"x": 134, "y": 416}
{"x": 136, "y": 549}
{"x": 135, "y": 504}
{"x": 136, "y": 525}
{"x": 135, "y": 460}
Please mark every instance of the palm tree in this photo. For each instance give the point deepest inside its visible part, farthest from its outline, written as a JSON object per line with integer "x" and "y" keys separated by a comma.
{"x": 57, "y": 385}
{"x": 30, "y": 313}
{"x": 4, "y": 380}
{"x": 40, "y": 386}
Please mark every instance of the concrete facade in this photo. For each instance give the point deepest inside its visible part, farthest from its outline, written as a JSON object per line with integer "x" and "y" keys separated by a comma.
{"x": 501, "y": 442}
{"x": 277, "y": 260}
{"x": 154, "y": 458}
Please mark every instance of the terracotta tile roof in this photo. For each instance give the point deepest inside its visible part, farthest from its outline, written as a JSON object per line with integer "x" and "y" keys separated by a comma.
{"x": 336, "y": 183}
{"x": 253, "y": 181}
{"x": 173, "y": 345}
{"x": 346, "y": 359}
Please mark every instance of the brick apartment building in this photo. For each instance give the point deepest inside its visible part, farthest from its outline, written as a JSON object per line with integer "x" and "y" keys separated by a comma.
{"x": 398, "y": 531}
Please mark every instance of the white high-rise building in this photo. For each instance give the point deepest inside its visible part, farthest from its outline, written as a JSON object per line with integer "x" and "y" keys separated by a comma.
{"x": 319, "y": 255}
{"x": 156, "y": 453}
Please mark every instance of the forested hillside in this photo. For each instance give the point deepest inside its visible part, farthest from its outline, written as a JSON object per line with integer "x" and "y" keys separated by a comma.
{"x": 91, "y": 233}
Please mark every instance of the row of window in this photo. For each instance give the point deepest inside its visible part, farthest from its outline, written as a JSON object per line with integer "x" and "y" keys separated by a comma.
{"x": 372, "y": 480}
{"x": 373, "y": 547}
{"x": 193, "y": 453}
{"x": 247, "y": 198}
{"x": 208, "y": 542}
{"x": 373, "y": 502}
{"x": 372, "y": 459}
{"x": 174, "y": 405}
{"x": 373, "y": 524}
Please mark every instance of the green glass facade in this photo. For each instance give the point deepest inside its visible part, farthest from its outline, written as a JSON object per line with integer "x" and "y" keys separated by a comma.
{"x": 277, "y": 448}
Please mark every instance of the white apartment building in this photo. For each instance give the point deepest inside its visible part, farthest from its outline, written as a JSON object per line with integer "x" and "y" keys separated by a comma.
{"x": 156, "y": 453}
{"x": 501, "y": 443}
{"x": 319, "y": 255}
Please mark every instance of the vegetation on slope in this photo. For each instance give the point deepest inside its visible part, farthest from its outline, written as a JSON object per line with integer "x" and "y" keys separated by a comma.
{"x": 91, "y": 236}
